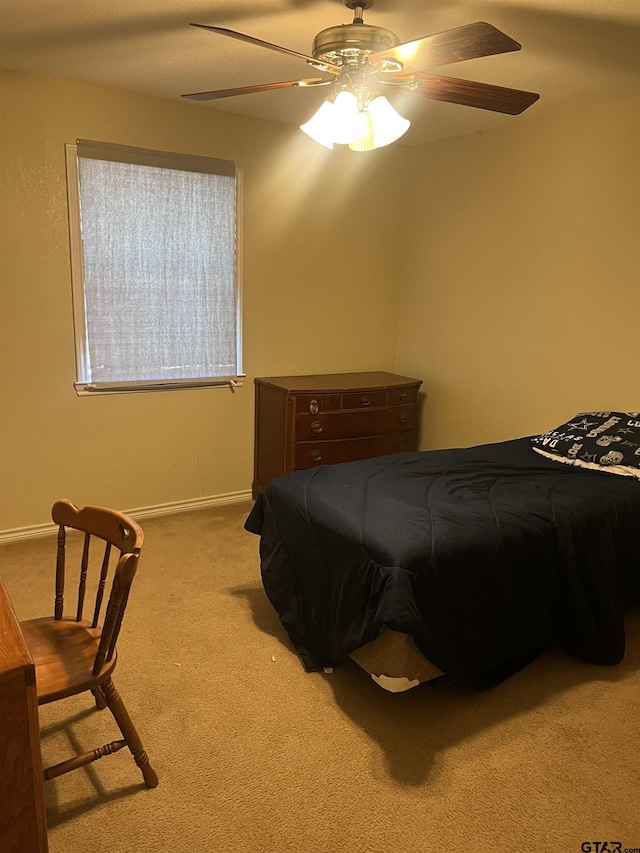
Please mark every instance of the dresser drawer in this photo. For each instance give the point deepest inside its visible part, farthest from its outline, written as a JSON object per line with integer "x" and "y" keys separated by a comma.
{"x": 401, "y": 396}
{"x": 354, "y": 424}
{"x": 314, "y": 403}
{"x": 364, "y": 400}
{"x": 308, "y": 454}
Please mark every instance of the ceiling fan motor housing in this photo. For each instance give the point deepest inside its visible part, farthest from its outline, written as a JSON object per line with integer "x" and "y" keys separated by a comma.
{"x": 337, "y": 44}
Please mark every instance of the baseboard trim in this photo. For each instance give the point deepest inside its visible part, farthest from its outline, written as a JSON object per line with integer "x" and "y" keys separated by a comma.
{"x": 35, "y": 531}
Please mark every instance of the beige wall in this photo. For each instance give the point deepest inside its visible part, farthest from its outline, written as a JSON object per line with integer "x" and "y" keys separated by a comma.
{"x": 322, "y": 235}
{"x": 521, "y": 282}
{"x": 520, "y": 299}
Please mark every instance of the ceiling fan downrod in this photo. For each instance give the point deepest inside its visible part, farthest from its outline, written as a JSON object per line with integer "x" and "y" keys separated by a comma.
{"x": 358, "y": 7}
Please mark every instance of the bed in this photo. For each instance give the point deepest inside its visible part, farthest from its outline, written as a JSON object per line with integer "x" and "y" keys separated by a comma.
{"x": 467, "y": 561}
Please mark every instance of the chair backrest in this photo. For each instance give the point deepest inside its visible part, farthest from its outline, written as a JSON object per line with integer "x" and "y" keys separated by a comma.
{"x": 115, "y": 530}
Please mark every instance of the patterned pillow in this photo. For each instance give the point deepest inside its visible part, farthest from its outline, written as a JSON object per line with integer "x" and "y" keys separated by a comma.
{"x": 605, "y": 441}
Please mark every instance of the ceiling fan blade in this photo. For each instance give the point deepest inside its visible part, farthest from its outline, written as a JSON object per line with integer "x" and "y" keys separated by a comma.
{"x": 469, "y": 93}
{"x": 262, "y": 87}
{"x": 316, "y": 63}
{"x": 468, "y": 42}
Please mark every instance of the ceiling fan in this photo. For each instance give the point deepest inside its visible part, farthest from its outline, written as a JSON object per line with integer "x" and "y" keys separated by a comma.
{"x": 363, "y": 61}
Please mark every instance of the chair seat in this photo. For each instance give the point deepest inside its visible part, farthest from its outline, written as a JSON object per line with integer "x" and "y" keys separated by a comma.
{"x": 63, "y": 652}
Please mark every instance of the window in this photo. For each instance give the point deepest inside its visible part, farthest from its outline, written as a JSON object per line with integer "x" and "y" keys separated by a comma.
{"x": 154, "y": 267}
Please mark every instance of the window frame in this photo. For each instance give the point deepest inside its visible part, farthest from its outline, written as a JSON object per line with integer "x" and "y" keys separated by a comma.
{"x": 83, "y": 386}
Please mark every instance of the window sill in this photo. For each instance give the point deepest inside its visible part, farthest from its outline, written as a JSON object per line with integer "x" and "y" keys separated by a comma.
{"x": 99, "y": 389}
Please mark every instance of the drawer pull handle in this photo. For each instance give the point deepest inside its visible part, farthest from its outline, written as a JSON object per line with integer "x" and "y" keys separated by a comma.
{"x": 404, "y": 419}
{"x": 365, "y": 401}
{"x": 316, "y": 455}
{"x": 317, "y": 426}
{"x": 313, "y": 407}
{"x": 400, "y": 444}
{"x": 404, "y": 395}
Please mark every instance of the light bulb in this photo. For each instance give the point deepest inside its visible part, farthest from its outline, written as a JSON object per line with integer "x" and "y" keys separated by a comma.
{"x": 388, "y": 125}
{"x": 345, "y": 118}
{"x": 320, "y": 125}
{"x": 364, "y": 140}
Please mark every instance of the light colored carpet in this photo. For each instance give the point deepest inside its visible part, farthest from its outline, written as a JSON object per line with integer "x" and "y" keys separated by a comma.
{"x": 256, "y": 756}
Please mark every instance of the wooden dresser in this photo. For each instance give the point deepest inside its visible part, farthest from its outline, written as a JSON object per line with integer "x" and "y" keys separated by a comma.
{"x": 304, "y": 421}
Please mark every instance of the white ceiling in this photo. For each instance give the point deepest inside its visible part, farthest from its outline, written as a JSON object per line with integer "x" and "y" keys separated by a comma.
{"x": 572, "y": 50}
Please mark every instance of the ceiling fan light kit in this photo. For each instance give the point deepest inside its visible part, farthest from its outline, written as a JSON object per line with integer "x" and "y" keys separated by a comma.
{"x": 344, "y": 122}
{"x": 365, "y": 61}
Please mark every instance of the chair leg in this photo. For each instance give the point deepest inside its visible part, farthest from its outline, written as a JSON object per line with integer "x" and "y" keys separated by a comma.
{"x": 117, "y": 708}
{"x": 101, "y": 702}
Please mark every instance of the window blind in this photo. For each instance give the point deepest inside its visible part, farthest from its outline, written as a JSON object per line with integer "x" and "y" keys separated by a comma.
{"x": 160, "y": 299}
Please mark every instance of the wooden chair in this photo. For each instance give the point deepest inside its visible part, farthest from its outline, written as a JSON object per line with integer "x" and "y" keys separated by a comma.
{"x": 72, "y": 655}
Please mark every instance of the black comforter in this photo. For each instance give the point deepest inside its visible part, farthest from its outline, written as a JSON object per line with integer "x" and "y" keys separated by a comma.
{"x": 484, "y": 555}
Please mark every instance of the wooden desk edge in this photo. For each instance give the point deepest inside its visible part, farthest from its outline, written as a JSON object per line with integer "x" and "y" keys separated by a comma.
{"x": 24, "y": 826}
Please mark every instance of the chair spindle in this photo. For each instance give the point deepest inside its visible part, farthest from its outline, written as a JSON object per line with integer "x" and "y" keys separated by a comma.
{"x": 101, "y": 584}
{"x": 59, "y": 600}
{"x": 83, "y": 576}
